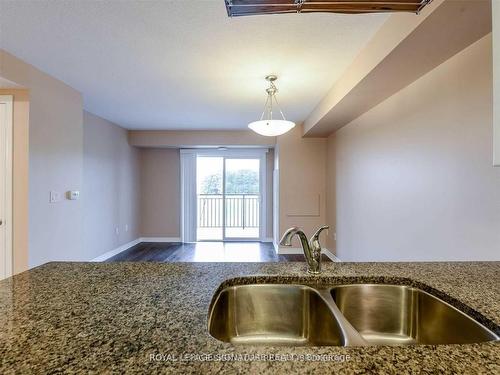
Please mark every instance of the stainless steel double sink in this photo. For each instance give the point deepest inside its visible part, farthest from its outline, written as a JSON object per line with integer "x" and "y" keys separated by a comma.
{"x": 341, "y": 315}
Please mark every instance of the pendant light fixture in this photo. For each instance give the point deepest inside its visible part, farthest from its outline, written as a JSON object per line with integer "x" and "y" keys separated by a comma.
{"x": 267, "y": 125}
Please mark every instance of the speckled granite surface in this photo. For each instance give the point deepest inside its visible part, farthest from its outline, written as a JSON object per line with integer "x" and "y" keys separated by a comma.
{"x": 150, "y": 317}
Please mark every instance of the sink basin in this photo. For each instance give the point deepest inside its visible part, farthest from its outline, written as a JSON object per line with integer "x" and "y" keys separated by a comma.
{"x": 341, "y": 315}
{"x": 402, "y": 315}
{"x": 273, "y": 314}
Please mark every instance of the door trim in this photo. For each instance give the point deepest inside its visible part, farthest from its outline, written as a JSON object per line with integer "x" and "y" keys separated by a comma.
{"x": 8, "y": 101}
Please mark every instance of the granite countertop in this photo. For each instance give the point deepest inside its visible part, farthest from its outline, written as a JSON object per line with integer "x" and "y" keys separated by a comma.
{"x": 152, "y": 318}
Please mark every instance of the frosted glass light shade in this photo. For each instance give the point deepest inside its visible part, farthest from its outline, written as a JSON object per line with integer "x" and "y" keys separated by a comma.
{"x": 271, "y": 128}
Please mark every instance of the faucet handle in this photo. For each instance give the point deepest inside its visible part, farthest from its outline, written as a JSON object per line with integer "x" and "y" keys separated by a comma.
{"x": 315, "y": 236}
{"x": 315, "y": 249}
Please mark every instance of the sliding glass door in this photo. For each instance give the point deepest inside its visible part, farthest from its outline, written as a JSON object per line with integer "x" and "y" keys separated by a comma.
{"x": 229, "y": 197}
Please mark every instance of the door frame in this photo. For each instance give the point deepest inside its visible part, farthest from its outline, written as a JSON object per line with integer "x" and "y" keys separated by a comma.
{"x": 6, "y": 128}
{"x": 189, "y": 194}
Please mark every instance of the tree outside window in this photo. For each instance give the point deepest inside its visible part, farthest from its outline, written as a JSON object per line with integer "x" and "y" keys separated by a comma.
{"x": 243, "y": 181}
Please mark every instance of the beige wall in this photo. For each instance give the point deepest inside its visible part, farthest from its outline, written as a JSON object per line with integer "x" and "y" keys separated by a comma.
{"x": 20, "y": 176}
{"x": 413, "y": 178}
{"x": 111, "y": 187}
{"x": 302, "y": 182}
{"x": 160, "y": 192}
{"x": 55, "y": 162}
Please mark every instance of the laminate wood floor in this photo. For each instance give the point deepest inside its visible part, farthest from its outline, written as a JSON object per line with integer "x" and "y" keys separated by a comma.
{"x": 205, "y": 252}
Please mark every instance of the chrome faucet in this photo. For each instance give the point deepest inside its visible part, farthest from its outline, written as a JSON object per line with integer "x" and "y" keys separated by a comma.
{"x": 312, "y": 248}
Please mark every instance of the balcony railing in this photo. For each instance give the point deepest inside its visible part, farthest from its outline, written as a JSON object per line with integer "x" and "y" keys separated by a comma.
{"x": 242, "y": 210}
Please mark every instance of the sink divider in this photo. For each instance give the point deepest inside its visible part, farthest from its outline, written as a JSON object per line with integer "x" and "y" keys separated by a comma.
{"x": 351, "y": 335}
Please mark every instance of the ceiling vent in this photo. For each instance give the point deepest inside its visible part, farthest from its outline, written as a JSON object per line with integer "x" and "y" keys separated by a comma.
{"x": 255, "y": 7}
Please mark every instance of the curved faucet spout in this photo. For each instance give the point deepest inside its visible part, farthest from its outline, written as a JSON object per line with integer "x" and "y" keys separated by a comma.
{"x": 286, "y": 239}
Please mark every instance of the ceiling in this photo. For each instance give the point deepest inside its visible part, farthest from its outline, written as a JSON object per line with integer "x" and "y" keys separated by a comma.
{"x": 183, "y": 64}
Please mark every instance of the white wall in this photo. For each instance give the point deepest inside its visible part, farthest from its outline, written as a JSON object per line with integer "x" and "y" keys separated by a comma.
{"x": 413, "y": 176}
{"x": 111, "y": 187}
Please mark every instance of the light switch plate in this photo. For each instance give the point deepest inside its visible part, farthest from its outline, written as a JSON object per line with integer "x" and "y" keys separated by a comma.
{"x": 54, "y": 196}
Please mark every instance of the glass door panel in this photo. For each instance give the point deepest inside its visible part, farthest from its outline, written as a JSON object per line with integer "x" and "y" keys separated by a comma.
{"x": 242, "y": 198}
{"x": 210, "y": 198}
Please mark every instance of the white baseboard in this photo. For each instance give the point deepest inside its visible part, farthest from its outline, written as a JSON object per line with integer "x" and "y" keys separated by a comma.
{"x": 128, "y": 245}
{"x": 160, "y": 239}
{"x": 268, "y": 239}
{"x": 331, "y": 255}
{"x": 112, "y": 253}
